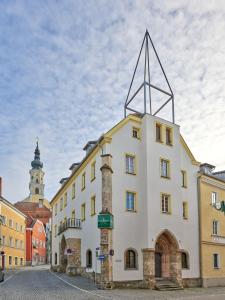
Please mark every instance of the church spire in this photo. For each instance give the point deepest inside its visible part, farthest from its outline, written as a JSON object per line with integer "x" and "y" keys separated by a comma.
{"x": 36, "y": 163}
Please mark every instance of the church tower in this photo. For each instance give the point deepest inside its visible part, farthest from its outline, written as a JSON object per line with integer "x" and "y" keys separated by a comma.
{"x": 36, "y": 184}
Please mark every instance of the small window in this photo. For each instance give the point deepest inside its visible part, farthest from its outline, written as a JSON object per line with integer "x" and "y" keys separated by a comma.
{"x": 165, "y": 203}
{"x": 16, "y": 243}
{"x": 185, "y": 210}
{"x": 61, "y": 203}
{"x": 55, "y": 258}
{"x": 83, "y": 212}
{"x": 215, "y": 226}
{"x": 83, "y": 182}
{"x": 37, "y": 191}
{"x": 93, "y": 171}
{"x": 216, "y": 261}
{"x": 10, "y": 260}
{"x": 21, "y": 261}
{"x": 130, "y": 259}
{"x": 130, "y": 201}
{"x": 214, "y": 198}
{"x": 16, "y": 261}
{"x": 158, "y": 132}
{"x": 73, "y": 191}
{"x": 169, "y": 139}
{"x": 130, "y": 164}
{"x": 10, "y": 223}
{"x": 136, "y": 133}
{"x": 65, "y": 200}
{"x": 73, "y": 214}
{"x": 165, "y": 168}
{"x": 37, "y": 180}
{"x": 184, "y": 178}
{"x": 184, "y": 260}
{"x": 93, "y": 212}
{"x": 89, "y": 259}
{"x": 56, "y": 209}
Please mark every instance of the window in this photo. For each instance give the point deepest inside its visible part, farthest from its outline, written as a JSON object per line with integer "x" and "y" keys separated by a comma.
{"x": 184, "y": 260}
{"x": 17, "y": 227}
{"x": 93, "y": 171}
{"x": 21, "y": 244}
{"x": 37, "y": 180}
{"x": 56, "y": 209}
{"x": 216, "y": 261}
{"x": 10, "y": 223}
{"x": 16, "y": 244}
{"x": 73, "y": 191}
{"x": 93, "y": 206}
{"x": 83, "y": 182}
{"x": 83, "y": 212}
{"x": 215, "y": 228}
{"x": 61, "y": 203}
{"x": 11, "y": 242}
{"x": 169, "y": 139}
{"x": 55, "y": 258}
{"x": 73, "y": 214}
{"x": 158, "y": 133}
{"x": 21, "y": 228}
{"x": 89, "y": 259}
{"x": 165, "y": 168}
{"x": 130, "y": 164}
{"x": 3, "y": 219}
{"x": 36, "y": 191}
{"x": 21, "y": 261}
{"x": 65, "y": 200}
{"x": 130, "y": 201}
{"x": 184, "y": 178}
{"x": 16, "y": 261}
{"x": 10, "y": 260}
{"x": 55, "y": 230}
{"x": 165, "y": 203}
{"x": 185, "y": 210}
{"x": 214, "y": 198}
{"x": 130, "y": 259}
{"x": 136, "y": 133}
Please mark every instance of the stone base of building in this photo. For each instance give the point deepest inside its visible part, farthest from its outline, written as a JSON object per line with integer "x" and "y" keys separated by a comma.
{"x": 73, "y": 271}
{"x": 130, "y": 284}
{"x": 211, "y": 282}
{"x": 191, "y": 282}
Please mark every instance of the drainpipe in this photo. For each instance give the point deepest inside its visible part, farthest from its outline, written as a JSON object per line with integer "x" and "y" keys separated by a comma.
{"x": 199, "y": 224}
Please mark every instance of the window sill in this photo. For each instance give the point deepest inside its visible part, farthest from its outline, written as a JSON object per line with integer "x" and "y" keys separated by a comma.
{"x": 166, "y": 213}
{"x": 159, "y": 141}
{"x": 184, "y": 186}
{"x": 92, "y": 179}
{"x": 131, "y": 173}
{"x": 83, "y": 188}
{"x": 216, "y": 268}
{"x": 73, "y": 198}
{"x": 170, "y": 145}
{"x": 185, "y": 218}
{"x": 165, "y": 177}
{"x": 131, "y": 211}
{"x": 130, "y": 269}
{"x": 93, "y": 214}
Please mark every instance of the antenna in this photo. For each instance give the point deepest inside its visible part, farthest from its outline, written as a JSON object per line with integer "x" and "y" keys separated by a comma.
{"x": 147, "y": 84}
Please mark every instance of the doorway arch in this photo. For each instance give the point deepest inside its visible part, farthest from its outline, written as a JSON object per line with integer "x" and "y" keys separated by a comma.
{"x": 167, "y": 257}
{"x": 63, "y": 256}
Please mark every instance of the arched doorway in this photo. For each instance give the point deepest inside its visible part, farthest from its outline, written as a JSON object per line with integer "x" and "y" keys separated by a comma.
{"x": 63, "y": 256}
{"x": 167, "y": 257}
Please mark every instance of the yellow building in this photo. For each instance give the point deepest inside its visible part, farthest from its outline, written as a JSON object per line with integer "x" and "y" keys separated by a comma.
{"x": 12, "y": 234}
{"x": 212, "y": 225}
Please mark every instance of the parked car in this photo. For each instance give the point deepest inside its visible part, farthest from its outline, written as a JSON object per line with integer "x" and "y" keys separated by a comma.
{"x": 1, "y": 275}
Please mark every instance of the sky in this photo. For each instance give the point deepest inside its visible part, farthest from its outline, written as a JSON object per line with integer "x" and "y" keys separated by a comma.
{"x": 65, "y": 70}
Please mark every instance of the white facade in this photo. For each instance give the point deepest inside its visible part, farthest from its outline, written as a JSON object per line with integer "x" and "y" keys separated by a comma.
{"x": 137, "y": 229}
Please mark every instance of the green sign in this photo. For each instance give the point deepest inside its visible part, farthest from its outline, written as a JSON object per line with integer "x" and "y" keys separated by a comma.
{"x": 220, "y": 206}
{"x": 105, "y": 221}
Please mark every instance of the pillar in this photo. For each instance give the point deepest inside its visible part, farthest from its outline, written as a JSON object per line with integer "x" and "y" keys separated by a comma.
{"x": 149, "y": 267}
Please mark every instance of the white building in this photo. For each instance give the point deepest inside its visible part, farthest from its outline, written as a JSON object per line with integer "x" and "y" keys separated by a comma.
{"x": 143, "y": 173}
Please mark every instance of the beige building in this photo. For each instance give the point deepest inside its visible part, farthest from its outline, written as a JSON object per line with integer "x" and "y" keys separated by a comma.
{"x": 12, "y": 234}
{"x": 212, "y": 225}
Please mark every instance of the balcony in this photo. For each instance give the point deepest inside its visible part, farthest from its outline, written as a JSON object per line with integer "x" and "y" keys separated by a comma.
{"x": 70, "y": 223}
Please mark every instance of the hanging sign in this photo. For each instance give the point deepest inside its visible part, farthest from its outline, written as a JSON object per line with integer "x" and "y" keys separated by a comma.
{"x": 105, "y": 221}
{"x": 220, "y": 206}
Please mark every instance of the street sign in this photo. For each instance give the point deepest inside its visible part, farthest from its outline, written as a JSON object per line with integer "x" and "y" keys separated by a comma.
{"x": 105, "y": 221}
{"x": 101, "y": 257}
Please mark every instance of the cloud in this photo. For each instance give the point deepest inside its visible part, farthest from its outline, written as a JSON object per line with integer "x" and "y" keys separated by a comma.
{"x": 66, "y": 67}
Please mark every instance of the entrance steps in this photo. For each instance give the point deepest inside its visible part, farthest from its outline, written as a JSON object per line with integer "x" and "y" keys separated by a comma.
{"x": 166, "y": 285}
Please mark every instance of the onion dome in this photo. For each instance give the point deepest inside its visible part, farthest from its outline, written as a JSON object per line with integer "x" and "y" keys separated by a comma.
{"x": 36, "y": 163}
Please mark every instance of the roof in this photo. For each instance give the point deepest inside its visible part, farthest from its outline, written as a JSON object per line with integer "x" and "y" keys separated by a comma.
{"x": 12, "y": 206}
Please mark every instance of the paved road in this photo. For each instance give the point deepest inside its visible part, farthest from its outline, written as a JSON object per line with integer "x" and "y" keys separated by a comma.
{"x": 40, "y": 284}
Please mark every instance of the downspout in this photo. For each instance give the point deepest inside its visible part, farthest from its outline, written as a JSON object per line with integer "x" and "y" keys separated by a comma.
{"x": 199, "y": 225}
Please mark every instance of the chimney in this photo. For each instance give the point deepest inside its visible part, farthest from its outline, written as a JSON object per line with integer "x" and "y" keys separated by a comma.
{"x": 0, "y": 186}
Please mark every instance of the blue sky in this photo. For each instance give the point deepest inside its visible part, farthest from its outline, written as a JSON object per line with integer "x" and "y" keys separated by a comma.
{"x": 65, "y": 69}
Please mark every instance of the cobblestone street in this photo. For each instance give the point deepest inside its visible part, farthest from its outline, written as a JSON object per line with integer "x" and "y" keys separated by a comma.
{"x": 39, "y": 283}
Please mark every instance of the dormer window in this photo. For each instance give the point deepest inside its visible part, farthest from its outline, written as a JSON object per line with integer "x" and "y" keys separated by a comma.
{"x": 136, "y": 133}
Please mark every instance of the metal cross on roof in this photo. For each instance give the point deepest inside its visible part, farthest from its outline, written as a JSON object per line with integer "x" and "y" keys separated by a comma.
{"x": 147, "y": 87}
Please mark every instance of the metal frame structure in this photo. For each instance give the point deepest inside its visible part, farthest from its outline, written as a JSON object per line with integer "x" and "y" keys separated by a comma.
{"x": 147, "y": 42}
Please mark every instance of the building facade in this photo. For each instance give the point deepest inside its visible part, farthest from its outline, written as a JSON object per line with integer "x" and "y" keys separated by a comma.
{"x": 36, "y": 243}
{"x": 12, "y": 235}
{"x": 141, "y": 178}
{"x": 212, "y": 225}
